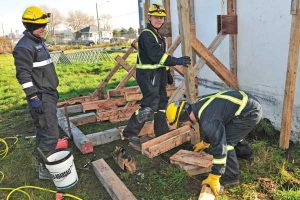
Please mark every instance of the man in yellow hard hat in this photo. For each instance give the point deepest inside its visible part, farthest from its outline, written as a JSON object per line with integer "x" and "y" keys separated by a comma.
{"x": 152, "y": 76}
{"x": 225, "y": 118}
{"x": 35, "y": 72}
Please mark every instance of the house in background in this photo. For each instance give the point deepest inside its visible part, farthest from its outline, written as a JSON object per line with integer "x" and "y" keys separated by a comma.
{"x": 90, "y": 33}
{"x": 64, "y": 37}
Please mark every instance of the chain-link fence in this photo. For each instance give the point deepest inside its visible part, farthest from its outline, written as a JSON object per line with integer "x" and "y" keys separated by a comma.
{"x": 86, "y": 56}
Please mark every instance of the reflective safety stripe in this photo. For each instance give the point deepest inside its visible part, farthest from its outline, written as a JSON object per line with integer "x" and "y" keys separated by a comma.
{"x": 219, "y": 161}
{"x": 163, "y": 59}
{"x": 230, "y": 148}
{"x": 27, "y": 85}
{"x": 163, "y": 111}
{"x": 149, "y": 66}
{"x": 221, "y": 95}
{"x": 42, "y": 63}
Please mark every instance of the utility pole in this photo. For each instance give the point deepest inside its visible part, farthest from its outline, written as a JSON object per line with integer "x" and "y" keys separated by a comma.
{"x": 2, "y": 30}
{"x": 99, "y": 34}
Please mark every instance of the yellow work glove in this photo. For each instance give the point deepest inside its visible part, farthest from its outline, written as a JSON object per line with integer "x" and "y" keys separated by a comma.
{"x": 200, "y": 146}
{"x": 214, "y": 183}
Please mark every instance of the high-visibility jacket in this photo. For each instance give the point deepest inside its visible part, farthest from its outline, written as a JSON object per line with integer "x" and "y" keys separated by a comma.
{"x": 213, "y": 113}
{"x": 35, "y": 69}
{"x": 152, "y": 50}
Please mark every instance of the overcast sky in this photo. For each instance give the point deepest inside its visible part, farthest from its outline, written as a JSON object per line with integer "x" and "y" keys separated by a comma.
{"x": 124, "y": 12}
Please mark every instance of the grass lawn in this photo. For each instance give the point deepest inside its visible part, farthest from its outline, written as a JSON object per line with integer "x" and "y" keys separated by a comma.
{"x": 156, "y": 179}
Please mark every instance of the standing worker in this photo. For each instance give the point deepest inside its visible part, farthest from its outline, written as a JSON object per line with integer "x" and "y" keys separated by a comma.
{"x": 35, "y": 71}
{"x": 152, "y": 76}
{"x": 225, "y": 118}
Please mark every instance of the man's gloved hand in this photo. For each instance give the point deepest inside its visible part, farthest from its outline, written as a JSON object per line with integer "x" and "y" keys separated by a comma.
{"x": 214, "y": 183}
{"x": 200, "y": 146}
{"x": 36, "y": 104}
{"x": 185, "y": 60}
{"x": 170, "y": 77}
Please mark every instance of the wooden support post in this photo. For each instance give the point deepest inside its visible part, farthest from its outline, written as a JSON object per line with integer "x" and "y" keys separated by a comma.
{"x": 102, "y": 85}
{"x": 123, "y": 82}
{"x": 185, "y": 34}
{"x": 124, "y": 64}
{"x": 214, "y": 64}
{"x": 168, "y": 19}
{"x": 113, "y": 185}
{"x": 231, "y": 10}
{"x": 181, "y": 88}
{"x": 290, "y": 83}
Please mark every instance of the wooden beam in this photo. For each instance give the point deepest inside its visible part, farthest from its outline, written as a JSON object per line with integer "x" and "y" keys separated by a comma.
{"x": 124, "y": 64}
{"x": 80, "y": 140}
{"x": 123, "y": 82}
{"x": 168, "y": 19}
{"x": 85, "y": 118}
{"x": 113, "y": 185}
{"x": 185, "y": 35}
{"x": 193, "y": 158}
{"x": 231, "y": 10}
{"x": 122, "y": 91}
{"x": 119, "y": 114}
{"x": 206, "y": 193}
{"x": 103, "y": 104}
{"x": 104, "y": 137}
{"x": 192, "y": 170}
{"x": 138, "y": 96}
{"x": 290, "y": 82}
{"x": 181, "y": 88}
{"x": 112, "y": 72}
{"x": 214, "y": 64}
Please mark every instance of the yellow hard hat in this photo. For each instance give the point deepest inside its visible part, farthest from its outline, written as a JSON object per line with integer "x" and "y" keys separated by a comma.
{"x": 35, "y": 15}
{"x": 158, "y": 10}
{"x": 175, "y": 111}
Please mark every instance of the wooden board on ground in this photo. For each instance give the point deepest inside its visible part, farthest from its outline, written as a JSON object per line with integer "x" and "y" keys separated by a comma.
{"x": 166, "y": 142}
{"x": 193, "y": 158}
{"x": 206, "y": 193}
{"x": 112, "y": 183}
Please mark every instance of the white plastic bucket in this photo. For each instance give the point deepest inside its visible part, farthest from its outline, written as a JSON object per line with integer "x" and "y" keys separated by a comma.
{"x": 62, "y": 169}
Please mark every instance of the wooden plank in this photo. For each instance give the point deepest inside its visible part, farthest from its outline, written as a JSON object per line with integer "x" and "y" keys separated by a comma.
{"x": 124, "y": 64}
{"x": 168, "y": 144}
{"x": 193, "y": 158}
{"x": 231, "y": 10}
{"x": 123, "y": 82}
{"x": 181, "y": 88}
{"x": 113, "y": 185}
{"x": 84, "y": 118}
{"x": 206, "y": 193}
{"x": 290, "y": 82}
{"x": 79, "y": 139}
{"x": 104, "y": 137}
{"x": 119, "y": 113}
{"x": 112, "y": 72}
{"x": 103, "y": 104}
{"x": 122, "y": 91}
{"x": 138, "y": 96}
{"x": 192, "y": 170}
{"x": 214, "y": 64}
{"x": 76, "y": 100}
{"x": 164, "y": 137}
{"x": 168, "y": 19}
{"x": 185, "y": 35}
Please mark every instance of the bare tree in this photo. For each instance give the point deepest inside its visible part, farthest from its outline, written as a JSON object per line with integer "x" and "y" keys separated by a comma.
{"x": 55, "y": 20}
{"x": 77, "y": 20}
{"x": 105, "y": 22}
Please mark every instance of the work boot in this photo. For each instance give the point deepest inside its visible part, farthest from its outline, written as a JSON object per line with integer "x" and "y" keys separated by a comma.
{"x": 44, "y": 173}
{"x": 160, "y": 124}
{"x": 226, "y": 181}
{"x": 132, "y": 130}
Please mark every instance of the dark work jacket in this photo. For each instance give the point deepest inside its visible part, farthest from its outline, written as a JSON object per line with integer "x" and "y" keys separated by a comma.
{"x": 150, "y": 51}
{"x": 213, "y": 121}
{"x": 35, "y": 70}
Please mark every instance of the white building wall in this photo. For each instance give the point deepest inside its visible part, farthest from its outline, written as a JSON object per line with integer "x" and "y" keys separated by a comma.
{"x": 263, "y": 43}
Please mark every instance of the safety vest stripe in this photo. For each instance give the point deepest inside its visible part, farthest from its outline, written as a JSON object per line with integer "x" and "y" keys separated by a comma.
{"x": 244, "y": 103}
{"x": 221, "y": 95}
{"x": 42, "y": 63}
{"x": 149, "y": 66}
{"x": 163, "y": 59}
{"x": 219, "y": 161}
{"x": 230, "y": 148}
{"x": 27, "y": 85}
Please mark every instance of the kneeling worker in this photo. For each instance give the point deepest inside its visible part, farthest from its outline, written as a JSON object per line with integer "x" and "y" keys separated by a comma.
{"x": 224, "y": 118}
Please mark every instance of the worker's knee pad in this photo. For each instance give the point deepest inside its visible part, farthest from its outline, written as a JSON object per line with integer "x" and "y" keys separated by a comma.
{"x": 144, "y": 114}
